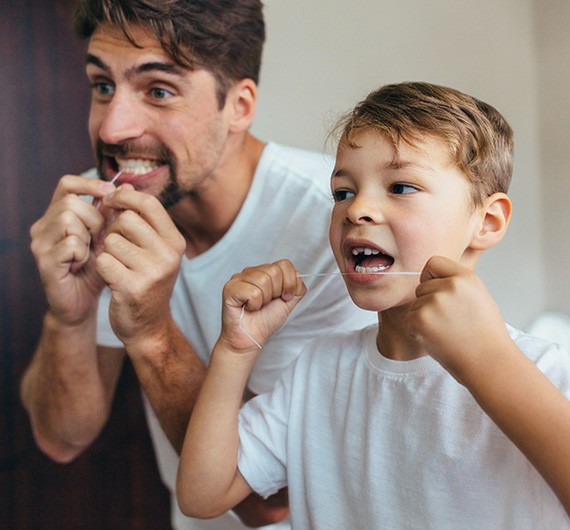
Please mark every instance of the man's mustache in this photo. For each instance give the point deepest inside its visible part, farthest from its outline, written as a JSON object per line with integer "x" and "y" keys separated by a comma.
{"x": 127, "y": 150}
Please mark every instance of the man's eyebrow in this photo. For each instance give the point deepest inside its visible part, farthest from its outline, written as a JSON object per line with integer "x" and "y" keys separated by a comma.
{"x": 156, "y": 66}
{"x": 94, "y": 60}
{"x": 153, "y": 66}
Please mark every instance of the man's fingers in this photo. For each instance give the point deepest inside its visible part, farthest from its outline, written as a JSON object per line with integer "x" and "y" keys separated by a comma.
{"x": 76, "y": 185}
{"x": 145, "y": 205}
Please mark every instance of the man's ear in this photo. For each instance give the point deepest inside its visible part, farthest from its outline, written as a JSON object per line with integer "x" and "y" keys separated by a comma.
{"x": 494, "y": 220}
{"x": 241, "y": 104}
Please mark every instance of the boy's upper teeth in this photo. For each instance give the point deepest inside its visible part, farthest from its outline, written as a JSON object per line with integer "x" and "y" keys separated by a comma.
{"x": 138, "y": 166}
{"x": 364, "y": 250}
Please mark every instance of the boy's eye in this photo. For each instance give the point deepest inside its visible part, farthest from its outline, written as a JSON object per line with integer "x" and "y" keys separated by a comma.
{"x": 402, "y": 189}
{"x": 341, "y": 195}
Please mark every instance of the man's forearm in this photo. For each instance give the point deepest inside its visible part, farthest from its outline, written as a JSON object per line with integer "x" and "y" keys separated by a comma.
{"x": 171, "y": 374}
{"x": 63, "y": 390}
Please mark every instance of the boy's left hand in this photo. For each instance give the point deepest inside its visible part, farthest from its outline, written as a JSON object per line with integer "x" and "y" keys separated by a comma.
{"x": 454, "y": 317}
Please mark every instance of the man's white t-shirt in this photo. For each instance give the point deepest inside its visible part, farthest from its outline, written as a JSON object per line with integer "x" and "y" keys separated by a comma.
{"x": 366, "y": 442}
{"x": 285, "y": 215}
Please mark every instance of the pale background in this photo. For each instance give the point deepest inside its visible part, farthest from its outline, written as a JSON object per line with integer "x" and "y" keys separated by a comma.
{"x": 322, "y": 56}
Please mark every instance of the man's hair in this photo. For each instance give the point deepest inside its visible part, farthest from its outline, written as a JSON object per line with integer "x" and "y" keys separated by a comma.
{"x": 479, "y": 139}
{"x": 224, "y": 37}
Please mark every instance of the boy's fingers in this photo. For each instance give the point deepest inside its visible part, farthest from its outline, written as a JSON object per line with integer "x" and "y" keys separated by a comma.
{"x": 257, "y": 286}
{"x": 440, "y": 267}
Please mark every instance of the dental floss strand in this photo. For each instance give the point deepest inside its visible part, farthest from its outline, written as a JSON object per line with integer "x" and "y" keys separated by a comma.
{"x": 112, "y": 181}
{"x": 243, "y": 329}
{"x": 315, "y": 274}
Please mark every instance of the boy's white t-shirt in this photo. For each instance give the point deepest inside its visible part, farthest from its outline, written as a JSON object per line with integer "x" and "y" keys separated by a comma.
{"x": 285, "y": 215}
{"x": 366, "y": 442}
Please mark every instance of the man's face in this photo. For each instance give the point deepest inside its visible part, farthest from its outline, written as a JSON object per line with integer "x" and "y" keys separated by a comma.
{"x": 156, "y": 122}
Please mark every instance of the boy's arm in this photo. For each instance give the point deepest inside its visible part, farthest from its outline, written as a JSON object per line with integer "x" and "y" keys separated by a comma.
{"x": 256, "y": 303}
{"x": 456, "y": 320}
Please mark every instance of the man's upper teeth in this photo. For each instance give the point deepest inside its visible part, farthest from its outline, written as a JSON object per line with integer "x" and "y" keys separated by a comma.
{"x": 138, "y": 166}
{"x": 364, "y": 250}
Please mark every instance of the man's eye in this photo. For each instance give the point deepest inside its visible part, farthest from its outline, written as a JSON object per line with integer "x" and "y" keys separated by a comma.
{"x": 104, "y": 89}
{"x": 402, "y": 189}
{"x": 160, "y": 93}
{"x": 341, "y": 195}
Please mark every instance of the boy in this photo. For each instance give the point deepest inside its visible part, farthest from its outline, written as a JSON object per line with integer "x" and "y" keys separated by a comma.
{"x": 413, "y": 423}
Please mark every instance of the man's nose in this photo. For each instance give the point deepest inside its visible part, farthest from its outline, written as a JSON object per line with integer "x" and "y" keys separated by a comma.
{"x": 123, "y": 119}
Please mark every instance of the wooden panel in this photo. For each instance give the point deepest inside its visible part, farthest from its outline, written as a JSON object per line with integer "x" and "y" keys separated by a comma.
{"x": 43, "y": 135}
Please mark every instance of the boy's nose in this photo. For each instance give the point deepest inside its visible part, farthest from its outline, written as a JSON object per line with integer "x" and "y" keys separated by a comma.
{"x": 363, "y": 211}
{"x": 123, "y": 120}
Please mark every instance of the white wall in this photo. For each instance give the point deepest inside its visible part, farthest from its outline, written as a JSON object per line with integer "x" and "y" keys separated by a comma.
{"x": 328, "y": 54}
{"x": 553, "y": 38}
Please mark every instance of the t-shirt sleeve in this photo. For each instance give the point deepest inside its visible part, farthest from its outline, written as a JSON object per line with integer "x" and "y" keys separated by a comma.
{"x": 263, "y": 421}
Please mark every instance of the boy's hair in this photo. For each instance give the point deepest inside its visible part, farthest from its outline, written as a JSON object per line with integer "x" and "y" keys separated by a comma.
{"x": 224, "y": 37}
{"x": 479, "y": 138}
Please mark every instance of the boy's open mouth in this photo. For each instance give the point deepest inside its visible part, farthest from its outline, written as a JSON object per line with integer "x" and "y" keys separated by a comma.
{"x": 367, "y": 260}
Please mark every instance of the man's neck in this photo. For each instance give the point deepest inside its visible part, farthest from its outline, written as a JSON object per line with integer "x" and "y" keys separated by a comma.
{"x": 205, "y": 216}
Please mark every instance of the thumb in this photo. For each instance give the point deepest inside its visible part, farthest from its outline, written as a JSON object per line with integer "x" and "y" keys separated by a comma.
{"x": 439, "y": 267}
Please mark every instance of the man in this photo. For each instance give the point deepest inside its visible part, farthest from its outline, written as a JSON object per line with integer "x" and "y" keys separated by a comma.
{"x": 195, "y": 197}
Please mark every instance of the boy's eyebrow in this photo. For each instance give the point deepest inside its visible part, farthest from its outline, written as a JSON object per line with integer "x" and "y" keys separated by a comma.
{"x": 151, "y": 66}
{"x": 394, "y": 164}
{"x": 403, "y": 164}
{"x": 339, "y": 173}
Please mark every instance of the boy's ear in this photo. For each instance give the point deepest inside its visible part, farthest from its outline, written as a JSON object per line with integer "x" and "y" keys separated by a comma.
{"x": 495, "y": 216}
{"x": 241, "y": 104}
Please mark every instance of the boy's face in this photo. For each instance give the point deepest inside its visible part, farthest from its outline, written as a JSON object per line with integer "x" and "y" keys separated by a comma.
{"x": 393, "y": 213}
{"x": 157, "y": 122}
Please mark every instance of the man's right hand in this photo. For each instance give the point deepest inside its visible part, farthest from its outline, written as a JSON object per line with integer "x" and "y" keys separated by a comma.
{"x": 65, "y": 243}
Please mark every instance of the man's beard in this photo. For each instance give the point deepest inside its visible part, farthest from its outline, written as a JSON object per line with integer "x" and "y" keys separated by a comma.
{"x": 171, "y": 194}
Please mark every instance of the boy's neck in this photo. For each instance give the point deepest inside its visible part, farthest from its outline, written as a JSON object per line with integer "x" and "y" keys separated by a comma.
{"x": 393, "y": 342}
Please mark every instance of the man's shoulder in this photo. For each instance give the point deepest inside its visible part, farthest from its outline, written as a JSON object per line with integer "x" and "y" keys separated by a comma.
{"x": 300, "y": 162}
{"x": 90, "y": 173}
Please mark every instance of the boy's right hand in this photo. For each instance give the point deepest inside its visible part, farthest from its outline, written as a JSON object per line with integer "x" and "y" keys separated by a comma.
{"x": 64, "y": 243}
{"x": 260, "y": 299}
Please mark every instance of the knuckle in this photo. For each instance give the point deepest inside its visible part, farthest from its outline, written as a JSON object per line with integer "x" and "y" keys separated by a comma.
{"x": 149, "y": 201}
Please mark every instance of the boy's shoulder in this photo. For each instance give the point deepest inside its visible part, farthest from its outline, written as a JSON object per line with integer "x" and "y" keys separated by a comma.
{"x": 551, "y": 358}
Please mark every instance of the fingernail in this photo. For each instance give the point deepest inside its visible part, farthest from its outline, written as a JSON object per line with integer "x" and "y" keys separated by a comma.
{"x": 106, "y": 187}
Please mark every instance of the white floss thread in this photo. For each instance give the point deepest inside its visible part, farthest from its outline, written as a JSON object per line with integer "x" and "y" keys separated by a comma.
{"x": 346, "y": 273}
{"x": 241, "y": 327}
{"x": 112, "y": 181}
{"x": 315, "y": 274}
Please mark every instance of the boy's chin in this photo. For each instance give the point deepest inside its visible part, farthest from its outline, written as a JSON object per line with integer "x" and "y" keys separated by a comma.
{"x": 370, "y": 303}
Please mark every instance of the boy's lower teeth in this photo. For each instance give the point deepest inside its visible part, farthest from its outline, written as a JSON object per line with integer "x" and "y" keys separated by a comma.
{"x": 368, "y": 270}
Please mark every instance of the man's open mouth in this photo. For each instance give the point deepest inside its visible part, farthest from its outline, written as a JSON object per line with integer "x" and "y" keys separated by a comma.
{"x": 135, "y": 166}
{"x": 367, "y": 260}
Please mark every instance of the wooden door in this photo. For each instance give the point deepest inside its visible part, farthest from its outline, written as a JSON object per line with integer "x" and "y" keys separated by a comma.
{"x": 44, "y": 98}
